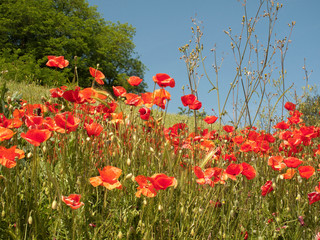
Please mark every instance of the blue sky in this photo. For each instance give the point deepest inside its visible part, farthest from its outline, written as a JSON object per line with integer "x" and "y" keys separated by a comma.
{"x": 164, "y": 26}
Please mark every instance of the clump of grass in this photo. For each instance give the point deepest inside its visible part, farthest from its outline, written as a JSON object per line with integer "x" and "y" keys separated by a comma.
{"x": 30, "y": 92}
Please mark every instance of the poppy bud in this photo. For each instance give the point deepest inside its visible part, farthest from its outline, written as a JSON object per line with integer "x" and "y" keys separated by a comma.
{"x": 3, "y": 213}
{"x": 29, "y": 155}
{"x": 231, "y": 213}
{"x": 30, "y": 220}
{"x": 298, "y": 198}
{"x": 128, "y": 176}
{"x": 160, "y": 207}
{"x": 125, "y": 219}
{"x": 192, "y": 232}
{"x": 182, "y": 210}
{"x": 128, "y": 162}
{"x": 44, "y": 149}
{"x": 9, "y": 99}
{"x": 54, "y": 204}
{"x": 145, "y": 202}
{"x": 120, "y": 235}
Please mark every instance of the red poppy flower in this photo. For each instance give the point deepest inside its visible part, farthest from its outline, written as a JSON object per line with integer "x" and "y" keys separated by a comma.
{"x": 93, "y": 129}
{"x": 67, "y": 121}
{"x": 210, "y": 119}
{"x": 161, "y": 181}
{"x": 57, "y": 92}
{"x": 191, "y": 101}
{"x": 73, "y": 201}
{"x": 276, "y": 162}
{"x": 292, "y": 162}
{"x": 5, "y": 134}
{"x": 266, "y": 188}
{"x": 289, "y": 173}
{"x": 164, "y": 80}
{"x": 98, "y": 75}
{"x": 188, "y": 99}
{"x": 306, "y": 171}
{"x": 160, "y": 96}
{"x": 144, "y": 113}
{"x": 290, "y": 106}
{"x": 295, "y": 117}
{"x": 248, "y": 171}
{"x": 196, "y": 105}
{"x": 36, "y": 136}
{"x": 108, "y": 178}
{"x": 133, "y": 99}
{"x": 233, "y": 170}
{"x": 238, "y": 139}
{"x": 204, "y": 177}
{"x": 59, "y": 62}
{"x": 9, "y": 123}
{"x": 313, "y": 197}
{"x": 282, "y": 125}
{"x": 145, "y": 188}
{"x": 119, "y": 91}
{"x": 8, "y": 156}
{"x": 228, "y": 128}
{"x": 148, "y": 99}
{"x": 134, "y": 81}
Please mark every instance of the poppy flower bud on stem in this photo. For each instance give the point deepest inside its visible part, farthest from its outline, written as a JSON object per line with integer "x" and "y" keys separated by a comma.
{"x": 298, "y": 198}
{"x": 129, "y": 176}
{"x": 54, "y": 204}
{"x": 30, "y": 220}
{"x": 128, "y": 162}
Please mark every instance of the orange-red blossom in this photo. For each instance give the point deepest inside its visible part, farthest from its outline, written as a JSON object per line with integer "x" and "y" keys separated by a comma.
{"x": 159, "y": 181}
{"x": 108, "y": 178}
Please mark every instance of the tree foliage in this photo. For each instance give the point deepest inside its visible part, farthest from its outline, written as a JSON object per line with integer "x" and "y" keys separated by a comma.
{"x": 310, "y": 108}
{"x": 30, "y": 30}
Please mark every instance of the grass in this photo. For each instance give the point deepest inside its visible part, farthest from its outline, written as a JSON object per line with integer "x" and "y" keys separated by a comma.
{"x": 28, "y": 91}
{"x": 227, "y": 204}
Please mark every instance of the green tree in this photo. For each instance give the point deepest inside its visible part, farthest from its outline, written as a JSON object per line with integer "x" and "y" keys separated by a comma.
{"x": 310, "y": 108}
{"x": 30, "y": 30}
